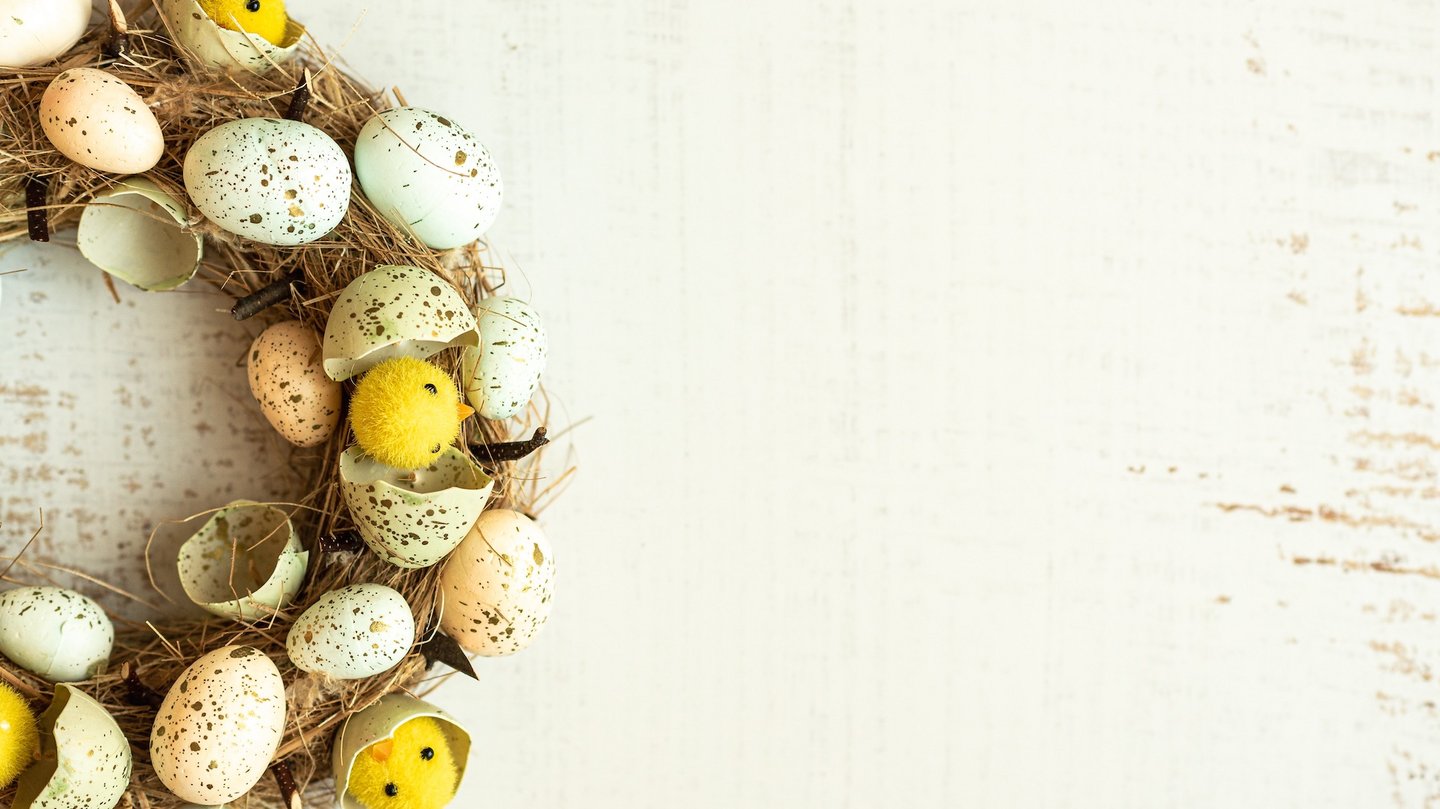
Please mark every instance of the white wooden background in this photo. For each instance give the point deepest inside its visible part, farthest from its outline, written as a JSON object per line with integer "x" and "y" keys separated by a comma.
{"x": 1024, "y": 404}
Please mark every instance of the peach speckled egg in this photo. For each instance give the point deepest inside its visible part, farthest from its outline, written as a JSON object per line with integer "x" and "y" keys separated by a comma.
{"x": 99, "y": 121}
{"x": 289, "y": 381}
{"x": 219, "y": 726}
{"x": 356, "y": 631}
{"x": 497, "y": 585}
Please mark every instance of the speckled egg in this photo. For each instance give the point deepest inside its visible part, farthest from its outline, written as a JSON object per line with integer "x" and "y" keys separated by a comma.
{"x": 100, "y": 121}
{"x": 55, "y": 633}
{"x": 84, "y": 757}
{"x": 412, "y": 519}
{"x": 394, "y": 311}
{"x": 33, "y": 32}
{"x": 272, "y": 180}
{"x": 428, "y": 176}
{"x": 353, "y": 632}
{"x": 503, "y": 372}
{"x": 289, "y": 381}
{"x": 219, "y": 726}
{"x": 497, "y": 585}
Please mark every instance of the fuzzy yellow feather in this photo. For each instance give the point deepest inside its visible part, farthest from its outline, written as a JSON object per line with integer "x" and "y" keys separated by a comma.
{"x": 263, "y": 18}
{"x": 17, "y": 735}
{"x": 413, "y": 769}
{"x": 405, "y": 412}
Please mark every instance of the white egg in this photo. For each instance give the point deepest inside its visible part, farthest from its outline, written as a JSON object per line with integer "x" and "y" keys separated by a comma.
{"x": 428, "y": 176}
{"x": 33, "y": 32}
{"x": 219, "y": 726}
{"x": 503, "y": 372}
{"x": 85, "y": 759}
{"x": 55, "y": 633}
{"x": 272, "y": 180}
{"x": 356, "y": 631}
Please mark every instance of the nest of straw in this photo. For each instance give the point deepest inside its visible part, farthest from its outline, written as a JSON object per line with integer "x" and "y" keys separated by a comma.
{"x": 188, "y": 100}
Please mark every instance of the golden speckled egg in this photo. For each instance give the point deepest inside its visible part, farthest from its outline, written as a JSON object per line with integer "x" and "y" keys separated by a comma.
{"x": 497, "y": 585}
{"x": 100, "y": 121}
{"x": 288, "y": 379}
{"x": 219, "y": 726}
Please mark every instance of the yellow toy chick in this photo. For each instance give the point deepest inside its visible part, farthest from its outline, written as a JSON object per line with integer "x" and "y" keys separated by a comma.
{"x": 263, "y": 18}
{"x": 405, "y": 412}
{"x": 413, "y": 769}
{"x": 17, "y": 735}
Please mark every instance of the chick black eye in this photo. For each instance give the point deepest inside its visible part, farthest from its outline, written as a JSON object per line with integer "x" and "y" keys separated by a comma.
{"x": 436, "y": 448}
{"x": 433, "y": 390}
{"x": 252, "y": 6}
{"x": 427, "y": 753}
{"x": 390, "y": 789}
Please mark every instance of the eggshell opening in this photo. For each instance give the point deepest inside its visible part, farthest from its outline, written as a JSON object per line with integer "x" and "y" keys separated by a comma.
{"x": 394, "y": 311}
{"x": 79, "y": 745}
{"x": 137, "y": 233}
{"x": 413, "y": 519}
{"x": 379, "y": 721}
{"x": 246, "y": 562}
{"x": 209, "y": 44}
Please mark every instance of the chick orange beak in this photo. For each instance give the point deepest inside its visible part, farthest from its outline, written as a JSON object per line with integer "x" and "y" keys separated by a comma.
{"x": 380, "y": 751}
{"x": 465, "y": 411}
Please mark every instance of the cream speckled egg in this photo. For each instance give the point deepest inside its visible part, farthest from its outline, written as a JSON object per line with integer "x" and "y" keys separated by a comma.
{"x": 219, "y": 726}
{"x": 503, "y": 372}
{"x": 413, "y": 518}
{"x": 55, "y": 633}
{"x": 356, "y": 631}
{"x": 394, "y": 311}
{"x": 272, "y": 180}
{"x": 497, "y": 585}
{"x": 289, "y": 381}
{"x": 428, "y": 176}
{"x": 100, "y": 121}
{"x": 35, "y": 31}
{"x": 84, "y": 758}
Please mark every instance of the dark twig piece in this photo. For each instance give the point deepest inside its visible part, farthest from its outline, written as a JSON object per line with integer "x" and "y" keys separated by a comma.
{"x": 117, "y": 45}
{"x": 289, "y": 792}
{"x": 266, "y": 296}
{"x": 37, "y": 191}
{"x": 503, "y": 451}
{"x": 300, "y": 100}
{"x": 443, "y": 649}
{"x": 341, "y": 542}
{"x": 137, "y": 692}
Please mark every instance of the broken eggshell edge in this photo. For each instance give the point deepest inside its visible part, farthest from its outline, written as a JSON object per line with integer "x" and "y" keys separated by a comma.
{"x": 218, "y": 47}
{"x": 394, "y": 311}
{"x": 133, "y": 244}
{"x": 80, "y": 743}
{"x": 273, "y": 595}
{"x": 379, "y": 721}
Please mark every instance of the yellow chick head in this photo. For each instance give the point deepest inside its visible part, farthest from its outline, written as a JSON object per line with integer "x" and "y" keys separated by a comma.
{"x": 413, "y": 769}
{"x": 405, "y": 412}
{"x": 17, "y": 735}
{"x": 263, "y": 18}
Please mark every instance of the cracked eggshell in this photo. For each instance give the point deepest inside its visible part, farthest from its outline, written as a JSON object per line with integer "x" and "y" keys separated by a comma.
{"x": 379, "y": 721}
{"x": 394, "y": 311}
{"x": 138, "y": 233}
{"x": 498, "y": 584}
{"x": 413, "y": 519}
{"x": 503, "y": 371}
{"x": 222, "y": 48}
{"x": 219, "y": 726}
{"x": 428, "y": 176}
{"x": 353, "y": 632}
{"x": 267, "y": 573}
{"x": 289, "y": 382}
{"x": 271, "y": 180}
{"x": 55, "y": 633}
{"x": 33, "y": 32}
{"x": 84, "y": 757}
{"x": 100, "y": 121}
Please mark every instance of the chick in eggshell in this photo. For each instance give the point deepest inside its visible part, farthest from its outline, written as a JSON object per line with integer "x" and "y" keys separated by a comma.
{"x": 405, "y": 412}
{"x": 413, "y": 769}
{"x": 18, "y": 735}
{"x": 263, "y": 18}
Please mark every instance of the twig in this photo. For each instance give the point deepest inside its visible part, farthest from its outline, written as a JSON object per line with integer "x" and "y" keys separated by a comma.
{"x": 503, "y": 451}
{"x": 137, "y": 692}
{"x": 37, "y": 189}
{"x": 117, "y": 45}
{"x": 266, "y": 296}
{"x": 300, "y": 100}
{"x": 289, "y": 792}
{"x": 340, "y": 542}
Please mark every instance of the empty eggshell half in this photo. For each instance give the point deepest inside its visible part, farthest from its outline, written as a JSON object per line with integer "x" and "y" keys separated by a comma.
{"x": 84, "y": 757}
{"x": 245, "y": 563}
{"x": 413, "y": 519}
{"x": 138, "y": 233}
{"x": 379, "y": 721}
{"x": 209, "y": 44}
{"x": 394, "y": 311}
{"x": 498, "y": 585}
{"x": 503, "y": 371}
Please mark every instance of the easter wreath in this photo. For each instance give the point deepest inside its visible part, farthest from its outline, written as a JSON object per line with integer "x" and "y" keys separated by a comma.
{"x": 214, "y": 138}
